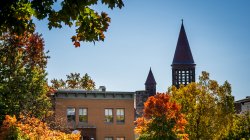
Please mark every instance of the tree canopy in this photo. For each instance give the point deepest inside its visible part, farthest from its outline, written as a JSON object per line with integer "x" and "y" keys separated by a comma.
{"x": 23, "y": 84}
{"x": 30, "y": 128}
{"x": 74, "y": 81}
{"x": 16, "y": 16}
{"x": 240, "y": 129}
{"x": 208, "y": 106}
{"x": 161, "y": 119}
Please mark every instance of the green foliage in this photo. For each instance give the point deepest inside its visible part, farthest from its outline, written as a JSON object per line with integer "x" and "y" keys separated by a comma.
{"x": 208, "y": 106}
{"x": 23, "y": 85}
{"x": 74, "y": 81}
{"x": 240, "y": 130}
{"x": 16, "y": 17}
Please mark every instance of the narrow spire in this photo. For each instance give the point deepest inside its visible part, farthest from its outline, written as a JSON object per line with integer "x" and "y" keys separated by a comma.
{"x": 150, "y": 79}
{"x": 183, "y": 54}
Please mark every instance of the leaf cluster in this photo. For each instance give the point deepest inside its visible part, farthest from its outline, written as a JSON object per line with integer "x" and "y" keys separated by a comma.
{"x": 30, "y": 128}
{"x": 208, "y": 106}
{"x": 23, "y": 84}
{"x": 74, "y": 81}
{"x": 161, "y": 120}
{"x": 16, "y": 17}
{"x": 240, "y": 128}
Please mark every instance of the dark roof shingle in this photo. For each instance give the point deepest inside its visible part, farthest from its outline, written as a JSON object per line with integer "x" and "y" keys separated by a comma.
{"x": 183, "y": 54}
{"x": 150, "y": 79}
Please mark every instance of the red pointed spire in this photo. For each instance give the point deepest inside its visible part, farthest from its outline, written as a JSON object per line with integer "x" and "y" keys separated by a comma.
{"x": 183, "y": 54}
{"x": 150, "y": 79}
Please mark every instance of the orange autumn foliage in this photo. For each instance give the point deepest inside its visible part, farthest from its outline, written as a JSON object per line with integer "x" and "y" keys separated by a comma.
{"x": 162, "y": 118}
{"x": 31, "y": 128}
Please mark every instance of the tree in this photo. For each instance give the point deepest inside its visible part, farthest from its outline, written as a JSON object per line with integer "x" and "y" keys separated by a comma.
{"x": 74, "y": 81}
{"x": 161, "y": 120}
{"x": 208, "y": 106}
{"x": 23, "y": 85}
{"x": 58, "y": 83}
{"x": 30, "y": 128}
{"x": 16, "y": 17}
{"x": 87, "y": 83}
{"x": 240, "y": 130}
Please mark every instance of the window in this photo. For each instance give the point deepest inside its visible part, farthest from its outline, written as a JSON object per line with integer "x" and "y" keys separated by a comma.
{"x": 108, "y": 138}
{"x": 120, "y": 117}
{"x": 71, "y": 114}
{"x": 83, "y": 115}
{"x": 120, "y": 138}
{"x": 109, "y": 115}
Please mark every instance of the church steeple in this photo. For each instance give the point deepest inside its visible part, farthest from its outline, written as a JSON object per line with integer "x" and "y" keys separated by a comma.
{"x": 150, "y": 84}
{"x": 183, "y": 54}
{"x": 150, "y": 79}
{"x": 183, "y": 66}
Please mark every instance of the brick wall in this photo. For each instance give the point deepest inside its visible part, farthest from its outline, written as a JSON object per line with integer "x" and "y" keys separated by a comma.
{"x": 96, "y": 115}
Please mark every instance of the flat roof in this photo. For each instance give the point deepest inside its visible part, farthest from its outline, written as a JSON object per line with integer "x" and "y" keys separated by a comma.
{"x": 91, "y": 91}
{"x": 247, "y": 99}
{"x": 92, "y": 94}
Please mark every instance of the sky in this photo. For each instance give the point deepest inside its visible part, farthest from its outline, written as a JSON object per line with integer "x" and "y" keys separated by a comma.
{"x": 144, "y": 34}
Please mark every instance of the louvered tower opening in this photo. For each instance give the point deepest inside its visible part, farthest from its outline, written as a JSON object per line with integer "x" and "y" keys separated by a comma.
{"x": 183, "y": 75}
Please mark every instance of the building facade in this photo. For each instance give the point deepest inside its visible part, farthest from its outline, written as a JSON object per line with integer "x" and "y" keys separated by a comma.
{"x": 99, "y": 115}
{"x": 242, "y": 105}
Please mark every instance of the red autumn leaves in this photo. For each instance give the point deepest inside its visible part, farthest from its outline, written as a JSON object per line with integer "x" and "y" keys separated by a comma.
{"x": 161, "y": 114}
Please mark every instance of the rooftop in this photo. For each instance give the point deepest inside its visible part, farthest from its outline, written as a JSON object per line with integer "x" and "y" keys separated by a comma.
{"x": 150, "y": 79}
{"x": 92, "y": 94}
{"x": 183, "y": 54}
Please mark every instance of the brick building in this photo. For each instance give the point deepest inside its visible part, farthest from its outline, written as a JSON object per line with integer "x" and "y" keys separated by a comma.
{"x": 98, "y": 114}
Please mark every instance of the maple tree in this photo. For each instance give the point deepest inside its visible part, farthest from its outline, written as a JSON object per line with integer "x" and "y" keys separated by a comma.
{"x": 74, "y": 81}
{"x": 208, "y": 106}
{"x": 16, "y": 16}
{"x": 23, "y": 84}
{"x": 161, "y": 119}
{"x": 30, "y": 128}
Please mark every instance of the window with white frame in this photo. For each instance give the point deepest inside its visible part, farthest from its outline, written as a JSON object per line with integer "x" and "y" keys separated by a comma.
{"x": 71, "y": 114}
{"x": 120, "y": 115}
{"x": 120, "y": 138}
{"x": 83, "y": 115}
{"x": 108, "y": 115}
{"x": 108, "y": 138}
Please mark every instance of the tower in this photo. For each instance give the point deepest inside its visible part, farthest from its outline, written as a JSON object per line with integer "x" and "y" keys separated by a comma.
{"x": 183, "y": 66}
{"x": 142, "y": 95}
{"x": 150, "y": 84}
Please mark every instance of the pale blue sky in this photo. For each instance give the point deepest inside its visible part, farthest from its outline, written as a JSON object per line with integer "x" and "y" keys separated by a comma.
{"x": 144, "y": 34}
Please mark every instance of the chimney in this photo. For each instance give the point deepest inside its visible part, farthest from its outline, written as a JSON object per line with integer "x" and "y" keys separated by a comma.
{"x": 102, "y": 88}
